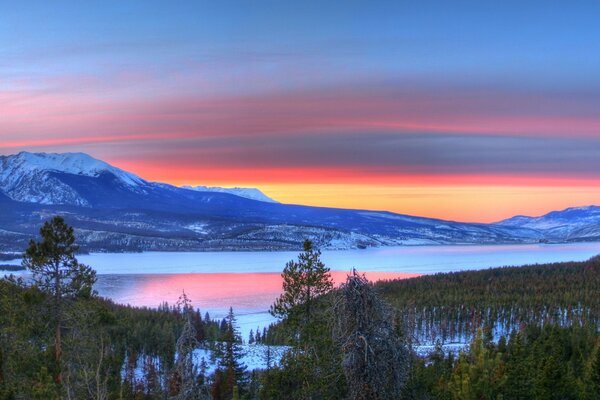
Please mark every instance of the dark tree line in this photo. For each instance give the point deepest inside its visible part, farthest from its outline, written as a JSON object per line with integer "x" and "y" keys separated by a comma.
{"x": 58, "y": 340}
{"x": 533, "y": 334}
{"x": 553, "y": 362}
{"x": 453, "y": 306}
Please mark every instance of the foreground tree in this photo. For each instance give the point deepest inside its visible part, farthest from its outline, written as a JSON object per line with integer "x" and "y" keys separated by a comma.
{"x": 375, "y": 359}
{"x": 185, "y": 380}
{"x": 57, "y": 273}
{"x": 311, "y": 368}
{"x": 303, "y": 281}
{"x": 230, "y": 376}
{"x": 592, "y": 373}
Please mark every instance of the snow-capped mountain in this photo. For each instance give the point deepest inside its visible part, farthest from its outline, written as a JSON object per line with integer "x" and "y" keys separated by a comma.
{"x": 36, "y": 177}
{"x": 114, "y": 210}
{"x": 571, "y": 223}
{"x": 48, "y": 178}
{"x": 248, "y": 193}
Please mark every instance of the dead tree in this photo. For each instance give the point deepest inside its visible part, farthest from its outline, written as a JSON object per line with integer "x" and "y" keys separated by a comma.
{"x": 375, "y": 359}
{"x": 185, "y": 372}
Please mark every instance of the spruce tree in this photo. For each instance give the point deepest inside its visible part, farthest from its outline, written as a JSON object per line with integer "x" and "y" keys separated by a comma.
{"x": 592, "y": 373}
{"x": 303, "y": 281}
{"x": 231, "y": 372}
{"x": 56, "y": 272}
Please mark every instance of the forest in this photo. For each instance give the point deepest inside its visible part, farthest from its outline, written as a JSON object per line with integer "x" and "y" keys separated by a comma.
{"x": 527, "y": 333}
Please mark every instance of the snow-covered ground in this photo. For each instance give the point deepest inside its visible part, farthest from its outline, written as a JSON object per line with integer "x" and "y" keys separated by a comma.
{"x": 426, "y": 350}
{"x": 248, "y": 193}
{"x": 255, "y": 356}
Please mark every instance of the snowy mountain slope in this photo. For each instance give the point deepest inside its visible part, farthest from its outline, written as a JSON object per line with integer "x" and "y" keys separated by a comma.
{"x": 569, "y": 224}
{"x": 248, "y": 193}
{"x": 48, "y": 178}
{"x": 19, "y": 165}
{"x": 36, "y": 177}
{"x": 114, "y": 210}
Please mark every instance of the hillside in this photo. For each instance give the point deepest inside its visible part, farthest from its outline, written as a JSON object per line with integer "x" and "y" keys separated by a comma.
{"x": 452, "y": 306}
{"x": 114, "y": 210}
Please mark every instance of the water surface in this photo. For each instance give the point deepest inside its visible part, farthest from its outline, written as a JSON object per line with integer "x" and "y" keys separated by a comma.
{"x": 250, "y": 281}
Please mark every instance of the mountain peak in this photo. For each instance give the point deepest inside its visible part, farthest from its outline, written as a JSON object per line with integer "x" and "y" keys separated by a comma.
{"x": 40, "y": 177}
{"x": 47, "y": 178}
{"x": 571, "y": 222}
{"x": 69, "y": 163}
{"x": 248, "y": 193}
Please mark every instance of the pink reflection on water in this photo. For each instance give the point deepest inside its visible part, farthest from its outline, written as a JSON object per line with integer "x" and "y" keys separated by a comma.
{"x": 245, "y": 292}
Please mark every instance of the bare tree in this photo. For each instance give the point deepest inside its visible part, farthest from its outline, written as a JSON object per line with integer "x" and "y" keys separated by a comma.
{"x": 185, "y": 373}
{"x": 375, "y": 358}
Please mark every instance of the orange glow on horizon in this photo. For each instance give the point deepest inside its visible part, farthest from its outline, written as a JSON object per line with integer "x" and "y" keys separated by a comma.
{"x": 468, "y": 198}
{"x": 208, "y": 175}
{"x": 465, "y": 203}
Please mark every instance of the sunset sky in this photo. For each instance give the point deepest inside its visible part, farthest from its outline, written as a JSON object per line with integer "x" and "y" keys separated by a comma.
{"x": 464, "y": 110}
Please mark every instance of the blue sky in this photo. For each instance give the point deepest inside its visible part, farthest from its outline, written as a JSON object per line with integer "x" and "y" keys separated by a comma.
{"x": 206, "y": 89}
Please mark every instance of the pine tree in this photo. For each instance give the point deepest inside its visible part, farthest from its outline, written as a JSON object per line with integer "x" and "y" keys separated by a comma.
{"x": 231, "y": 372}
{"x": 303, "y": 281}
{"x": 56, "y": 272}
{"x": 257, "y": 337}
{"x": 592, "y": 374}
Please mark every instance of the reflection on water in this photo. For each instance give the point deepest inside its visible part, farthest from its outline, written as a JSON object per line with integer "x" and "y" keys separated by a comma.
{"x": 250, "y": 281}
{"x": 250, "y": 294}
{"x": 245, "y": 292}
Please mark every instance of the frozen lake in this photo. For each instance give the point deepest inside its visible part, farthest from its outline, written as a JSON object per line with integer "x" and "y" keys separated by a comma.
{"x": 250, "y": 281}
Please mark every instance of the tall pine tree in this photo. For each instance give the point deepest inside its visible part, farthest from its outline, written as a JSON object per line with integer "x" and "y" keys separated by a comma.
{"x": 56, "y": 272}
{"x": 303, "y": 282}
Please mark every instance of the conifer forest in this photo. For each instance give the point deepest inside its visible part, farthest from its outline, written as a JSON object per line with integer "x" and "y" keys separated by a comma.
{"x": 526, "y": 332}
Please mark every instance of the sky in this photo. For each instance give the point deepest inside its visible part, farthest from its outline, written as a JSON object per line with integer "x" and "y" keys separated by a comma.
{"x": 462, "y": 110}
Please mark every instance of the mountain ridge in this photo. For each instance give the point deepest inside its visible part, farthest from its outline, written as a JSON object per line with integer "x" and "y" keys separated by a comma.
{"x": 114, "y": 210}
{"x": 572, "y": 222}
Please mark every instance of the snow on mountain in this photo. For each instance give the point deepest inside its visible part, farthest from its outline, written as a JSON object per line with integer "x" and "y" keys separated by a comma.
{"x": 69, "y": 163}
{"x": 248, "y": 193}
{"x": 570, "y": 223}
{"x": 34, "y": 177}
{"x": 42, "y": 178}
{"x": 115, "y": 210}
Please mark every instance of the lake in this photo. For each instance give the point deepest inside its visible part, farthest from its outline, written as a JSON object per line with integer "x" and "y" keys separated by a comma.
{"x": 250, "y": 281}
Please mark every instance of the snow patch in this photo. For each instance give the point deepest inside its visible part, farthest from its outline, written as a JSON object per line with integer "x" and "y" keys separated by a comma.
{"x": 247, "y": 193}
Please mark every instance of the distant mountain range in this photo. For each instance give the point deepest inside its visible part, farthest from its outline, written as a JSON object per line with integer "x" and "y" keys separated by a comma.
{"x": 248, "y": 193}
{"x": 577, "y": 223}
{"x": 114, "y": 210}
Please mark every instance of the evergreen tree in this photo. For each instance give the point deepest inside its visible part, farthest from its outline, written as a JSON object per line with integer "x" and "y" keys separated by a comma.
{"x": 56, "y": 272}
{"x": 231, "y": 374}
{"x": 592, "y": 374}
{"x": 303, "y": 281}
{"x": 257, "y": 337}
{"x": 519, "y": 381}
